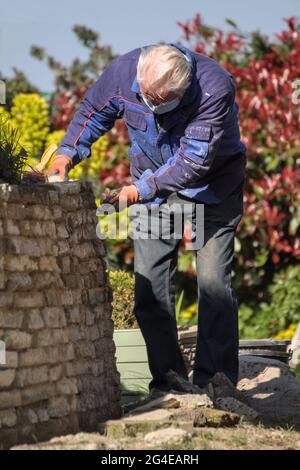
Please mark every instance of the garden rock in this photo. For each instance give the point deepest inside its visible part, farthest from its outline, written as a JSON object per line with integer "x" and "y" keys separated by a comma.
{"x": 215, "y": 418}
{"x": 80, "y": 441}
{"x": 235, "y": 406}
{"x": 295, "y": 348}
{"x": 271, "y": 388}
{"x": 167, "y": 436}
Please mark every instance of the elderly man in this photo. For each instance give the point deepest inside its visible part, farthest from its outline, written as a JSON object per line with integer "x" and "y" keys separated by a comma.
{"x": 182, "y": 119}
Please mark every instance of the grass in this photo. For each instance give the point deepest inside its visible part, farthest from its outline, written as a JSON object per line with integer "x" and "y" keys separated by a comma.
{"x": 242, "y": 437}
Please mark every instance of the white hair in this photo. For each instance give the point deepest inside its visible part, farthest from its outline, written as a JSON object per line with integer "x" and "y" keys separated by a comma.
{"x": 163, "y": 69}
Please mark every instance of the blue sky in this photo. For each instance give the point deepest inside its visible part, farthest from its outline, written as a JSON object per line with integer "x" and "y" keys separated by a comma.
{"x": 124, "y": 24}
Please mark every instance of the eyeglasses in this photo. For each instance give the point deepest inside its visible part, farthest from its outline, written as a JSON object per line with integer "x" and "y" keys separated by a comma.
{"x": 157, "y": 102}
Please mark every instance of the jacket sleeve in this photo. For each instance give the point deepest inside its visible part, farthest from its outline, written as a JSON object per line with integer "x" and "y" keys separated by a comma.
{"x": 196, "y": 152}
{"x": 96, "y": 115}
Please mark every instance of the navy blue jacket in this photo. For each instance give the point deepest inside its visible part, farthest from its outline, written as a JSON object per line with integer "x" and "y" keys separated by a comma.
{"x": 195, "y": 151}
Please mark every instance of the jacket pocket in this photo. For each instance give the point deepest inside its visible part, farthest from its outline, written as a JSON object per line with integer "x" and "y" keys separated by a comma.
{"x": 140, "y": 162}
{"x": 135, "y": 119}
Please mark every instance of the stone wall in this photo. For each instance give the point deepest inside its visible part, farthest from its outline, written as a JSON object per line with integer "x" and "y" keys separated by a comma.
{"x": 55, "y": 314}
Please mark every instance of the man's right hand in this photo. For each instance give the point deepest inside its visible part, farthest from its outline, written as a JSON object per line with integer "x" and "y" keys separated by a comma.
{"x": 59, "y": 165}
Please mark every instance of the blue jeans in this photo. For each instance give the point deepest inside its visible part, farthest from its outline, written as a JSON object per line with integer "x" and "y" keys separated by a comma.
{"x": 155, "y": 263}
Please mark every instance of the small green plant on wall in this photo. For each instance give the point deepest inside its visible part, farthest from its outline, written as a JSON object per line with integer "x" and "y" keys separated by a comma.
{"x": 13, "y": 157}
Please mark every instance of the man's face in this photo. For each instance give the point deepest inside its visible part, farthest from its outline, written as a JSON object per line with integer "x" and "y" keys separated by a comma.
{"x": 157, "y": 99}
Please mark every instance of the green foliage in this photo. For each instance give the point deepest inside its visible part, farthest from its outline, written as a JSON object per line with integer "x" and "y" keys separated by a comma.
{"x": 282, "y": 309}
{"x": 18, "y": 83}
{"x": 188, "y": 316}
{"x": 178, "y": 303}
{"x": 122, "y": 284}
{"x": 30, "y": 114}
{"x": 54, "y": 138}
{"x": 89, "y": 169}
{"x": 277, "y": 316}
{"x": 12, "y": 156}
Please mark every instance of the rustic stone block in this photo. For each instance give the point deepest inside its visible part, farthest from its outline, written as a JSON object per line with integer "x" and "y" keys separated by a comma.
{"x": 8, "y": 418}
{"x": 89, "y": 317}
{"x": 56, "y": 372}
{"x": 54, "y": 317}
{"x": 62, "y": 232}
{"x": 20, "y": 263}
{"x": 48, "y": 263}
{"x": 58, "y": 406}
{"x": 32, "y": 416}
{"x": 23, "y": 246}
{"x": 57, "y": 213}
{"x": 6, "y": 299}
{"x": 17, "y": 340}
{"x": 72, "y": 281}
{"x": 10, "y": 318}
{"x": 53, "y": 296}
{"x": 50, "y": 337}
{"x": 9, "y": 192}
{"x": 12, "y": 361}
{"x": 29, "y": 299}
{"x": 38, "y": 212}
{"x": 77, "y": 332}
{"x": 67, "y": 386}
{"x": 93, "y": 333}
{"x": 70, "y": 297}
{"x": 53, "y": 198}
{"x": 42, "y": 415}
{"x": 63, "y": 247}
{"x": 74, "y": 314}
{"x": 34, "y": 228}
{"x": 19, "y": 281}
{"x": 37, "y": 393}
{"x": 64, "y": 264}
{"x": 2, "y": 280}
{"x": 96, "y": 296}
{"x": 39, "y": 356}
{"x": 35, "y": 320}
{"x": 6, "y": 378}
{"x": 12, "y": 227}
{"x": 31, "y": 376}
{"x": 10, "y": 399}
{"x": 16, "y": 211}
{"x": 99, "y": 248}
{"x": 84, "y": 349}
{"x": 48, "y": 279}
{"x": 67, "y": 352}
{"x": 83, "y": 251}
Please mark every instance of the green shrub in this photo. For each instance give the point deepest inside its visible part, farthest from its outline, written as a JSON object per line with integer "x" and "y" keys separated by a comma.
{"x": 122, "y": 284}
{"x": 30, "y": 114}
{"x": 283, "y": 308}
{"x": 13, "y": 157}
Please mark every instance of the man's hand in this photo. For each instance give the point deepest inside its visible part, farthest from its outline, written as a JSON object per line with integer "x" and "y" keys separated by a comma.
{"x": 127, "y": 196}
{"x": 60, "y": 165}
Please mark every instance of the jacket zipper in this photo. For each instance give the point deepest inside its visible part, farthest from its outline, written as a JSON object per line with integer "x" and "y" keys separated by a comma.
{"x": 158, "y": 127}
